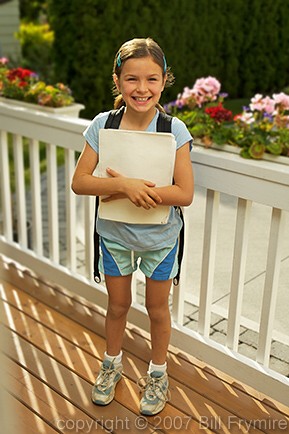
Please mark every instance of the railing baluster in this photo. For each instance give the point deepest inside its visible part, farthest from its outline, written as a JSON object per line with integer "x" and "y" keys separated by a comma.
{"x": 35, "y": 185}
{"x": 5, "y": 186}
{"x": 89, "y": 207}
{"x": 238, "y": 272}
{"x": 70, "y": 204}
{"x": 271, "y": 286}
{"x": 178, "y": 298}
{"x": 208, "y": 261}
{"x": 52, "y": 197}
{"x": 21, "y": 220}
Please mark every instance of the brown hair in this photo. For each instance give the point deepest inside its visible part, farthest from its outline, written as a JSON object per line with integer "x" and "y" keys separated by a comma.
{"x": 138, "y": 48}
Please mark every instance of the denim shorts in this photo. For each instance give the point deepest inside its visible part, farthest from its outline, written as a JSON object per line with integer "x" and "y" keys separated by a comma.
{"x": 116, "y": 260}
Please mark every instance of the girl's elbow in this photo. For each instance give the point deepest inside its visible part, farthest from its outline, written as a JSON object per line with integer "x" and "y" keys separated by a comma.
{"x": 75, "y": 186}
{"x": 187, "y": 202}
{"x": 188, "y": 199}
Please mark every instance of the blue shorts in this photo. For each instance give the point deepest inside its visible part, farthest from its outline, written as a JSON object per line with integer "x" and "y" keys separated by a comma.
{"x": 116, "y": 260}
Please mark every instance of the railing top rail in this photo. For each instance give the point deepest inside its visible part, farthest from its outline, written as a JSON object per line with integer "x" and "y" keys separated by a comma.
{"x": 231, "y": 162}
{"x": 264, "y": 182}
{"x": 56, "y": 129}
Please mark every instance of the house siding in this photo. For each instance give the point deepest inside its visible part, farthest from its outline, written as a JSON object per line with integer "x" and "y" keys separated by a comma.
{"x": 9, "y": 24}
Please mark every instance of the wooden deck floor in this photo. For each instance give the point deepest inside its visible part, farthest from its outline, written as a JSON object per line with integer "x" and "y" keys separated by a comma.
{"x": 53, "y": 353}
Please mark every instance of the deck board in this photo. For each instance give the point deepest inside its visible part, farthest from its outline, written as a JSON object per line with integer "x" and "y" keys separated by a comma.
{"x": 56, "y": 347}
{"x": 43, "y": 400}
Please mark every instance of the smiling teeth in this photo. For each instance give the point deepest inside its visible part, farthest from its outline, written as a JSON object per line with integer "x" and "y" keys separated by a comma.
{"x": 141, "y": 99}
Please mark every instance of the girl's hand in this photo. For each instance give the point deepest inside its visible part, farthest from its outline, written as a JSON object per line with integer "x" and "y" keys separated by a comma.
{"x": 138, "y": 191}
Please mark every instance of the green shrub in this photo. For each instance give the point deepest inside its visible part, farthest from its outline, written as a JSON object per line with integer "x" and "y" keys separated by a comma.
{"x": 32, "y": 10}
{"x": 36, "y": 43}
{"x": 243, "y": 43}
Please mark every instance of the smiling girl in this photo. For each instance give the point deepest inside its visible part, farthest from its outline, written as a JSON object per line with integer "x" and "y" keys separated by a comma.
{"x": 140, "y": 74}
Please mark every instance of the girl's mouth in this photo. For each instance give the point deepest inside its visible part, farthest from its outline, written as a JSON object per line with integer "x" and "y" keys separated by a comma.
{"x": 141, "y": 99}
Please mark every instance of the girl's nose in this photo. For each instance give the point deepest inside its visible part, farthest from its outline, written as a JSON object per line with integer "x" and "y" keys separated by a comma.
{"x": 142, "y": 86}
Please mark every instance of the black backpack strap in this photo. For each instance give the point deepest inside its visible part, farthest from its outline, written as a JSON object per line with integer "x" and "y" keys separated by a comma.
{"x": 114, "y": 118}
{"x": 96, "y": 273}
{"x": 176, "y": 279}
{"x": 164, "y": 123}
{"x": 113, "y": 121}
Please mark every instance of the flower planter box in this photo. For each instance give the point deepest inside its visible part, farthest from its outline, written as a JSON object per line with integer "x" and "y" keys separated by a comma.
{"x": 70, "y": 110}
{"x": 260, "y": 131}
{"x": 236, "y": 150}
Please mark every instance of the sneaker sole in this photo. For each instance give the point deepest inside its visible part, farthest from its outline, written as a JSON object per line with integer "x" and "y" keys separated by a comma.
{"x": 98, "y": 402}
{"x": 150, "y": 413}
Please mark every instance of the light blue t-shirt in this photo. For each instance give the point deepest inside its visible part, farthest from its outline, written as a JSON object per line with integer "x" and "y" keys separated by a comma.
{"x": 138, "y": 237}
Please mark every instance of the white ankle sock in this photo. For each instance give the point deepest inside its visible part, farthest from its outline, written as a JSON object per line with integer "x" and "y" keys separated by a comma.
{"x": 115, "y": 359}
{"x": 159, "y": 368}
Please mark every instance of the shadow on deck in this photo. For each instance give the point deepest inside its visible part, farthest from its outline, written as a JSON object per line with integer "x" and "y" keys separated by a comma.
{"x": 53, "y": 352}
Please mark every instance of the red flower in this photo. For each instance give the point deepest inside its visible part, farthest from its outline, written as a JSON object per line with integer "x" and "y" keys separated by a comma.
{"x": 236, "y": 117}
{"x": 19, "y": 73}
{"x": 219, "y": 113}
{"x": 23, "y": 84}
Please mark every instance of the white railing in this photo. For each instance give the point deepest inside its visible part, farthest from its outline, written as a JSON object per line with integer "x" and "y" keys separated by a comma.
{"x": 233, "y": 197}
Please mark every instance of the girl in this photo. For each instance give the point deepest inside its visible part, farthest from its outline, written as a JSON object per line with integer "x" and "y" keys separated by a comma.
{"x": 140, "y": 74}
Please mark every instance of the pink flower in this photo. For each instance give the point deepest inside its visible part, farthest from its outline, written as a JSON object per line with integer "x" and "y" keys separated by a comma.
{"x": 256, "y": 102}
{"x": 3, "y": 60}
{"x": 204, "y": 90}
{"x": 268, "y": 105}
{"x": 246, "y": 117}
{"x": 207, "y": 86}
{"x": 183, "y": 97}
{"x": 261, "y": 104}
{"x": 281, "y": 99}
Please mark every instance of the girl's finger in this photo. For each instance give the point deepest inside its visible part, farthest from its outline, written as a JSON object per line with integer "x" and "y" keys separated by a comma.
{"x": 112, "y": 172}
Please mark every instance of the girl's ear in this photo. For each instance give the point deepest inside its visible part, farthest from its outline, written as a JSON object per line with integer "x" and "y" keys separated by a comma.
{"x": 116, "y": 81}
{"x": 164, "y": 81}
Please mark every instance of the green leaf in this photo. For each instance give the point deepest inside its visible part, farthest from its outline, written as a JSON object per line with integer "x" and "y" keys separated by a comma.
{"x": 257, "y": 150}
{"x": 245, "y": 153}
{"x": 275, "y": 148}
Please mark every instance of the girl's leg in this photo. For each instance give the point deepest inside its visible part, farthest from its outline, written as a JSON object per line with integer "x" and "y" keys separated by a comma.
{"x": 157, "y": 296}
{"x": 155, "y": 389}
{"x": 119, "y": 301}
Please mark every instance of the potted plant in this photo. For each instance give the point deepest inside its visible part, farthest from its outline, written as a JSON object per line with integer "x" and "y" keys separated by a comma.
{"x": 22, "y": 86}
{"x": 261, "y": 129}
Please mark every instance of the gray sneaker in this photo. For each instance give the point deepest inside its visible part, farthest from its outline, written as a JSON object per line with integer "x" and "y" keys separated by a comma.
{"x": 155, "y": 393}
{"x": 107, "y": 379}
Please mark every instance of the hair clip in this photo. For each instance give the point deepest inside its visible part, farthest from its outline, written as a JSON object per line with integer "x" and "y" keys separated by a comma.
{"x": 165, "y": 64}
{"x": 118, "y": 60}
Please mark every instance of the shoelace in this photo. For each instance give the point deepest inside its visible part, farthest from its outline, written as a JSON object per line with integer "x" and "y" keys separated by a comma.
{"x": 104, "y": 377}
{"x": 150, "y": 388}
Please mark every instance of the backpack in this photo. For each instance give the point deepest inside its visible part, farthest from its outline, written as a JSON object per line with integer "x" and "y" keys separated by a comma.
{"x": 164, "y": 124}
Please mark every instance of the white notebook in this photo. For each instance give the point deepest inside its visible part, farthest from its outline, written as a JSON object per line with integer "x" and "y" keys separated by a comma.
{"x": 136, "y": 154}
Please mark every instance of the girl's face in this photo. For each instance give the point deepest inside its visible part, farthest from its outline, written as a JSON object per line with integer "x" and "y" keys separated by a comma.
{"x": 141, "y": 83}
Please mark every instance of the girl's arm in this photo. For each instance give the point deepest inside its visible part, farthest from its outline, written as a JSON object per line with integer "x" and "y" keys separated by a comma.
{"x": 179, "y": 194}
{"x": 139, "y": 191}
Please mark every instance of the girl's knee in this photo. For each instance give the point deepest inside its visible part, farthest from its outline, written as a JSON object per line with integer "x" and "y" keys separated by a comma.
{"x": 157, "y": 312}
{"x": 118, "y": 310}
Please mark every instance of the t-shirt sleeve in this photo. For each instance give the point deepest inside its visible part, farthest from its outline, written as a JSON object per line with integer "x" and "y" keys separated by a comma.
{"x": 181, "y": 133}
{"x": 91, "y": 134}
